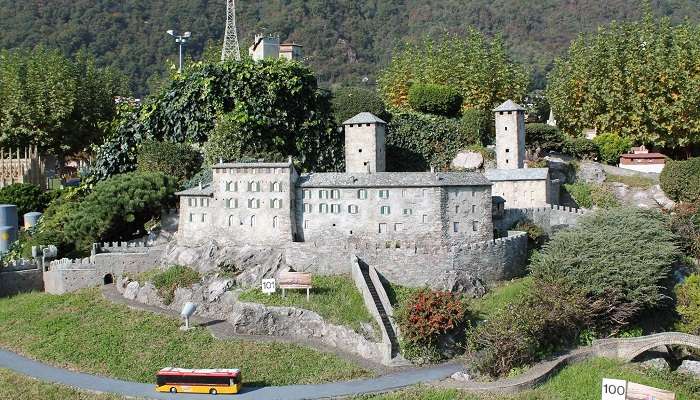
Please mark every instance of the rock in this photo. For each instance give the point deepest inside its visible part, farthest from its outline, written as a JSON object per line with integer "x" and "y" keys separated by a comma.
{"x": 462, "y": 282}
{"x": 132, "y": 290}
{"x": 461, "y": 376}
{"x": 217, "y": 288}
{"x": 468, "y": 160}
{"x": 661, "y": 199}
{"x": 590, "y": 172}
{"x": 656, "y": 363}
{"x": 367, "y": 330}
{"x": 690, "y": 367}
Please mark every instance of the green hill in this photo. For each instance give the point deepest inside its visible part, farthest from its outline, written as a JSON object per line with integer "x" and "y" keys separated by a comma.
{"x": 344, "y": 40}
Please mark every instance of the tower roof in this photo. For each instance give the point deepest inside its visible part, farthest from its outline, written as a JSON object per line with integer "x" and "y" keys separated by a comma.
{"x": 509, "y": 106}
{"x": 364, "y": 118}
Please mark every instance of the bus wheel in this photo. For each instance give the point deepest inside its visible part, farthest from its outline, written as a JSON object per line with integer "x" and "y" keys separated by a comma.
{"x": 213, "y": 392}
{"x": 173, "y": 390}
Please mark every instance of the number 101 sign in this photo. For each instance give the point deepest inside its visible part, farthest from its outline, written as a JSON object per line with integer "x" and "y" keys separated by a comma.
{"x": 614, "y": 389}
{"x": 268, "y": 286}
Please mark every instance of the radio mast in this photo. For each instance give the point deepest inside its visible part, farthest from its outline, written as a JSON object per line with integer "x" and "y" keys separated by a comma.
{"x": 230, "y": 49}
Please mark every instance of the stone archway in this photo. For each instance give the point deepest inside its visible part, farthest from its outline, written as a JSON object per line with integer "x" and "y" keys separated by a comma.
{"x": 108, "y": 279}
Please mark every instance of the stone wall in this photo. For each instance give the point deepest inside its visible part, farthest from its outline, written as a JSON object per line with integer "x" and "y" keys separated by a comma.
{"x": 14, "y": 281}
{"x": 523, "y": 193}
{"x": 550, "y": 218}
{"x": 493, "y": 260}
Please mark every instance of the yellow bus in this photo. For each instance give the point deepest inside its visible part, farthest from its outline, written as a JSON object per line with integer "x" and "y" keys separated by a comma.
{"x": 212, "y": 381}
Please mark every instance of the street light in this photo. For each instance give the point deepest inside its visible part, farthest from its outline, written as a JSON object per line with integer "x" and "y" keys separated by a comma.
{"x": 182, "y": 41}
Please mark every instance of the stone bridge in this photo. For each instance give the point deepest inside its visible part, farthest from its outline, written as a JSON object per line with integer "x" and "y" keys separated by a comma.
{"x": 629, "y": 349}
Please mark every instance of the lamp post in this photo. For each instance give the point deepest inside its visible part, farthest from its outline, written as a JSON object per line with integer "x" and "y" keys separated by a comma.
{"x": 182, "y": 41}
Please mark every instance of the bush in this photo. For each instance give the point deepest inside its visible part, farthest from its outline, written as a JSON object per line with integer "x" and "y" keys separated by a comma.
{"x": 178, "y": 160}
{"x": 685, "y": 223}
{"x": 620, "y": 259}
{"x": 580, "y": 148}
{"x": 476, "y": 126}
{"x": 611, "y": 146}
{"x": 688, "y": 305}
{"x": 435, "y": 99}
{"x": 176, "y": 276}
{"x": 544, "y": 137}
{"x": 428, "y": 316}
{"x": 417, "y": 141}
{"x": 588, "y": 196}
{"x": 536, "y": 236}
{"x": 350, "y": 101}
{"x": 680, "y": 180}
{"x": 25, "y": 196}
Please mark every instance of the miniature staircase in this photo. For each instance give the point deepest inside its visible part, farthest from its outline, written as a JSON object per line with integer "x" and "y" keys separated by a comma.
{"x": 380, "y": 309}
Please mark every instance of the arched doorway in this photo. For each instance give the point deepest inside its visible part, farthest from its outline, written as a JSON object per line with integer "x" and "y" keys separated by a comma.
{"x": 108, "y": 279}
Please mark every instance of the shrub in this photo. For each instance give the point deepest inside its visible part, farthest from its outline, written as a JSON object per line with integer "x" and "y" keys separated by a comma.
{"x": 580, "y": 148}
{"x": 178, "y": 160}
{"x": 25, "y": 196}
{"x": 176, "y": 276}
{"x": 544, "y": 137}
{"x": 417, "y": 141}
{"x": 204, "y": 176}
{"x": 685, "y": 223}
{"x": 350, "y": 101}
{"x": 680, "y": 180}
{"x": 619, "y": 258}
{"x": 476, "y": 126}
{"x": 588, "y": 196}
{"x": 536, "y": 236}
{"x": 688, "y": 305}
{"x": 611, "y": 146}
{"x": 427, "y": 316}
{"x": 435, "y": 99}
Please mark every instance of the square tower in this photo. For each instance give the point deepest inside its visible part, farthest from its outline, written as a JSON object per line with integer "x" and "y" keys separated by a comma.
{"x": 365, "y": 144}
{"x": 510, "y": 136}
{"x": 265, "y": 47}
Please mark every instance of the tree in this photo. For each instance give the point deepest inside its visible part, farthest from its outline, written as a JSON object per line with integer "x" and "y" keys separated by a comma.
{"x": 350, "y": 101}
{"x": 478, "y": 69}
{"x": 276, "y": 105}
{"x": 60, "y": 105}
{"x": 638, "y": 80}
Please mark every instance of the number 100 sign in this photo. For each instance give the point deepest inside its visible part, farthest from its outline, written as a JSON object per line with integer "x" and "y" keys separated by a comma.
{"x": 614, "y": 389}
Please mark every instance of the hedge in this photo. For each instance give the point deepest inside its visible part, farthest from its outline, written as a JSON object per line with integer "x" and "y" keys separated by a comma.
{"x": 25, "y": 196}
{"x": 435, "y": 99}
{"x": 611, "y": 146}
{"x": 544, "y": 137}
{"x": 350, "y": 101}
{"x": 178, "y": 160}
{"x": 680, "y": 180}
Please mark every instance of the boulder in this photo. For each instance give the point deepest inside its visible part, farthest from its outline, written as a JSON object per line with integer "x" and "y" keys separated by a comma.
{"x": 462, "y": 376}
{"x": 656, "y": 363}
{"x": 132, "y": 290}
{"x": 463, "y": 282}
{"x": 590, "y": 172}
{"x": 690, "y": 367}
{"x": 468, "y": 160}
{"x": 217, "y": 288}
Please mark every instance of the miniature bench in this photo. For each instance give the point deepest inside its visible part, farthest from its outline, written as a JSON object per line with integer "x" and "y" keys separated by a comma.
{"x": 295, "y": 280}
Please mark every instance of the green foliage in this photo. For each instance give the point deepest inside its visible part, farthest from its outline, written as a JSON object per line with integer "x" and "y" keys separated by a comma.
{"x": 58, "y": 104}
{"x": 635, "y": 181}
{"x": 688, "y": 305}
{"x": 544, "y": 137}
{"x": 620, "y": 259}
{"x": 636, "y": 79}
{"x": 168, "y": 280}
{"x": 335, "y": 298}
{"x": 350, "y": 101}
{"x": 477, "y": 68}
{"x": 267, "y": 107}
{"x": 25, "y": 196}
{"x": 87, "y": 332}
{"x": 435, "y": 99}
{"x": 500, "y": 297}
{"x": 680, "y": 180}
{"x": 685, "y": 223}
{"x": 477, "y": 127}
{"x": 587, "y": 195}
{"x": 580, "y": 148}
{"x": 536, "y": 236}
{"x": 417, "y": 141}
{"x": 204, "y": 176}
{"x": 16, "y": 386}
{"x": 611, "y": 146}
{"x": 178, "y": 160}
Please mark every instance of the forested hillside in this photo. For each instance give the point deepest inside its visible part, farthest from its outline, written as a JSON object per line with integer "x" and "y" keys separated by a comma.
{"x": 344, "y": 40}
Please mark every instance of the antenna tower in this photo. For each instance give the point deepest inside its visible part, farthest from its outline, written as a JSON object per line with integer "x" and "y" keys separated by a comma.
{"x": 230, "y": 49}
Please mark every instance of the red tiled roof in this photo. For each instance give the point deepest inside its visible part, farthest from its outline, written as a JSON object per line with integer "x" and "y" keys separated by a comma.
{"x": 644, "y": 155}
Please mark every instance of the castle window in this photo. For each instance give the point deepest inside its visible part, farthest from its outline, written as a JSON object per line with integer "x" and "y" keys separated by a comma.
{"x": 323, "y": 208}
{"x": 425, "y": 192}
{"x": 323, "y": 194}
{"x": 455, "y": 226}
{"x": 353, "y": 209}
{"x": 204, "y": 217}
{"x": 231, "y": 203}
{"x": 506, "y": 128}
{"x": 231, "y": 186}
{"x": 253, "y": 186}
{"x": 191, "y": 217}
{"x": 398, "y": 227}
{"x": 407, "y": 211}
{"x": 335, "y": 208}
{"x": 274, "y": 222}
{"x": 383, "y": 194}
{"x": 507, "y": 150}
{"x": 475, "y": 226}
{"x": 425, "y": 219}
{"x": 189, "y": 202}
{"x": 308, "y": 208}
{"x": 385, "y": 210}
{"x": 231, "y": 219}
{"x": 253, "y": 203}
{"x": 306, "y": 224}
{"x": 456, "y": 209}
{"x": 501, "y": 112}
{"x": 362, "y": 194}
{"x": 382, "y": 228}
{"x": 359, "y": 151}
{"x": 276, "y": 187}
{"x": 473, "y": 192}
{"x": 305, "y": 194}
{"x": 335, "y": 194}
{"x": 404, "y": 192}
{"x": 473, "y": 208}
{"x": 276, "y": 203}
{"x": 252, "y": 220}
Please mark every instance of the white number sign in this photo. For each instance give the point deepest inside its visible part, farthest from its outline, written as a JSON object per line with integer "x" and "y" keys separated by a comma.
{"x": 614, "y": 389}
{"x": 268, "y": 286}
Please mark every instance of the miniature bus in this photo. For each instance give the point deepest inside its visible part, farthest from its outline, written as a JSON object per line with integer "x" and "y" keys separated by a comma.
{"x": 212, "y": 381}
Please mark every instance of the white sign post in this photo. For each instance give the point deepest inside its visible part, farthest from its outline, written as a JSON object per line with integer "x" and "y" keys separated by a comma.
{"x": 614, "y": 389}
{"x": 268, "y": 286}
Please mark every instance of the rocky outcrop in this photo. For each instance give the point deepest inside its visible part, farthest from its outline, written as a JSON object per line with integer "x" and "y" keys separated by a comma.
{"x": 652, "y": 197}
{"x": 590, "y": 172}
{"x": 468, "y": 160}
{"x": 690, "y": 367}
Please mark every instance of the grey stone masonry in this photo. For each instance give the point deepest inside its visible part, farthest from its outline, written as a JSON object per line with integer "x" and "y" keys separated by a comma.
{"x": 550, "y": 218}
{"x": 365, "y": 148}
{"x": 510, "y": 136}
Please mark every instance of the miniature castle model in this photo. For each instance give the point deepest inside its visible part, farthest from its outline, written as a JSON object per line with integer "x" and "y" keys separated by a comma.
{"x": 27, "y": 167}
{"x": 269, "y": 47}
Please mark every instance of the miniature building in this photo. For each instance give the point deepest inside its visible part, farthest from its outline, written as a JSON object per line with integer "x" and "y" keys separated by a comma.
{"x": 27, "y": 167}
{"x": 291, "y": 51}
{"x": 641, "y": 160}
{"x": 551, "y": 121}
{"x": 510, "y": 136}
{"x": 365, "y": 139}
{"x": 270, "y": 47}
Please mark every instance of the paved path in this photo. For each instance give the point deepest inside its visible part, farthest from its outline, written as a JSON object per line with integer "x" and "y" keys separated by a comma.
{"x": 94, "y": 383}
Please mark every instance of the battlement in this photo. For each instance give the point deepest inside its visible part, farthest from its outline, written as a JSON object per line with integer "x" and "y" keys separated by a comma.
{"x": 513, "y": 236}
{"x": 19, "y": 265}
{"x": 76, "y": 263}
{"x": 134, "y": 246}
{"x": 569, "y": 209}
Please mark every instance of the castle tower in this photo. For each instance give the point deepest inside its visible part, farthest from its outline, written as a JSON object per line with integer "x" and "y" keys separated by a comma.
{"x": 265, "y": 47}
{"x": 365, "y": 147}
{"x": 510, "y": 136}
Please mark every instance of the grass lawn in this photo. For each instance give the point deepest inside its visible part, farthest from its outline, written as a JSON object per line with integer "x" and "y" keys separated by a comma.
{"x": 82, "y": 331}
{"x": 335, "y": 298}
{"x": 18, "y": 387}
{"x": 641, "y": 182}
{"x": 499, "y": 297}
{"x": 578, "y": 382}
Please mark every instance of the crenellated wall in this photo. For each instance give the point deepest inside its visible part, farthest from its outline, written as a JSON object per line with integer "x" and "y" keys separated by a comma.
{"x": 551, "y": 218}
{"x": 20, "y": 277}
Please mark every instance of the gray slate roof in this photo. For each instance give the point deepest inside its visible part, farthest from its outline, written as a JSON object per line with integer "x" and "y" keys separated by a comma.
{"x": 364, "y": 118}
{"x": 509, "y": 106}
{"x": 285, "y": 164}
{"x": 393, "y": 179}
{"x": 525, "y": 174}
{"x": 206, "y": 190}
